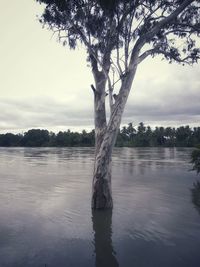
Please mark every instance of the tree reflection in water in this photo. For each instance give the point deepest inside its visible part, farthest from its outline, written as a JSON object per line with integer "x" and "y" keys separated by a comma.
{"x": 102, "y": 226}
{"x": 196, "y": 195}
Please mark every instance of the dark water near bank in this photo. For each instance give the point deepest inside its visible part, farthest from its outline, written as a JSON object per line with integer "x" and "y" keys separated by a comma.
{"x": 46, "y": 220}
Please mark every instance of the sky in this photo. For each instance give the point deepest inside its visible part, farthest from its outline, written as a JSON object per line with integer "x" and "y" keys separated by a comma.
{"x": 45, "y": 85}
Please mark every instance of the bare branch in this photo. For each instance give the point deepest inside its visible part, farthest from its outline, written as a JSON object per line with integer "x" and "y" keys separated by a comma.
{"x": 118, "y": 63}
{"x": 177, "y": 59}
{"x": 110, "y": 90}
{"x": 119, "y": 71}
{"x": 186, "y": 60}
{"x": 145, "y": 55}
{"x": 93, "y": 88}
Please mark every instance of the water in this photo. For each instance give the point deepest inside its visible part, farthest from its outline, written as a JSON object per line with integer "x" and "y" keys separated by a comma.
{"x": 46, "y": 220}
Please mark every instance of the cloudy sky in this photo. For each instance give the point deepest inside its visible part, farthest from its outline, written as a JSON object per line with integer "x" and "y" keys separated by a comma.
{"x": 45, "y": 85}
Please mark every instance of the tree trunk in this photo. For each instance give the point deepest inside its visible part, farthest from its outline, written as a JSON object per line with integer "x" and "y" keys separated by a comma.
{"x": 102, "y": 191}
{"x": 105, "y": 140}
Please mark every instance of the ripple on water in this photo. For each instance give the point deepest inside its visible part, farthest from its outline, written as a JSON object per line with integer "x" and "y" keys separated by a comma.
{"x": 45, "y": 196}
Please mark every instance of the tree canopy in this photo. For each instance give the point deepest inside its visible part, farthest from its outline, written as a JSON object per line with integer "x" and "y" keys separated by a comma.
{"x": 122, "y": 26}
{"x": 119, "y": 34}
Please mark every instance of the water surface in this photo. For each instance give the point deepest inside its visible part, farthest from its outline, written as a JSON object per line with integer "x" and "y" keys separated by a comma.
{"x": 46, "y": 220}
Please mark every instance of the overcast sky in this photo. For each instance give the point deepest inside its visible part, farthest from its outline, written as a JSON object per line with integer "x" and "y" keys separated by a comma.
{"x": 45, "y": 85}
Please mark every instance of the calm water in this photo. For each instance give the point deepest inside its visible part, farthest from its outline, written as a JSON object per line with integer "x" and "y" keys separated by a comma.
{"x": 46, "y": 220}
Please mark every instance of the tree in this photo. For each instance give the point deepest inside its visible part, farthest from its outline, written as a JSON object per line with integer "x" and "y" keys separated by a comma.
{"x": 123, "y": 137}
{"x": 196, "y": 186}
{"x": 196, "y": 136}
{"x": 170, "y": 134}
{"x": 196, "y": 195}
{"x": 148, "y": 136}
{"x": 130, "y": 132}
{"x": 159, "y": 136}
{"x": 196, "y": 159}
{"x": 10, "y": 139}
{"x": 183, "y": 136}
{"x": 141, "y": 139}
{"x": 35, "y": 137}
{"x": 118, "y": 35}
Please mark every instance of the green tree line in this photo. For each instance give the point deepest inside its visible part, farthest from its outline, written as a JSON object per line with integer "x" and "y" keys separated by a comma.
{"x": 129, "y": 136}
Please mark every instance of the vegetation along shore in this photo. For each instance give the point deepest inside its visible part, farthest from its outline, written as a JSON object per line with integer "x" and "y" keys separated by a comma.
{"x": 129, "y": 136}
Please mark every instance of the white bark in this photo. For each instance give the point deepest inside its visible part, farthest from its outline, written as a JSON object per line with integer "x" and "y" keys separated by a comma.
{"x": 101, "y": 190}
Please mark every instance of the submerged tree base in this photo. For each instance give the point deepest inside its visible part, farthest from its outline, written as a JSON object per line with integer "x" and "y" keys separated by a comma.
{"x": 101, "y": 197}
{"x": 102, "y": 205}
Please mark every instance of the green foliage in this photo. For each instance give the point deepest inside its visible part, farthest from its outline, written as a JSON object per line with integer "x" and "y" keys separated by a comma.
{"x": 35, "y": 137}
{"x": 196, "y": 195}
{"x": 10, "y": 139}
{"x": 104, "y": 25}
{"x": 141, "y": 136}
{"x": 196, "y": 160}
{"x": 144, "y": 136}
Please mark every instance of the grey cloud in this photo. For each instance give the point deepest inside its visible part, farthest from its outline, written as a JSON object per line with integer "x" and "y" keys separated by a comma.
{"x": 170, "y": 100}
{"x": 174, "y": 99}
{"x": 42, "y": 113}
{"x": 48, "y": 113}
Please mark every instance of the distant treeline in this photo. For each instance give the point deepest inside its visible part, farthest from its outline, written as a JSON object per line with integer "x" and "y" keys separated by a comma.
{"x": 140, "y": 136}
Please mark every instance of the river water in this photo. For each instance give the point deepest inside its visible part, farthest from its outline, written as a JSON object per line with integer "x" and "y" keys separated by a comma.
{"x": 46, "y": 220}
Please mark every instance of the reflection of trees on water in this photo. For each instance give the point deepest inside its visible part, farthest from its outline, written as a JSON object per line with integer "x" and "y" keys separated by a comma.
{"x": 58, "y": 154}
{"x": 141, "y": 160}
{"x": 196, "y": 195}
{"x": 102, "y": 226}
